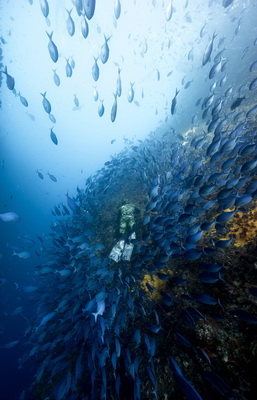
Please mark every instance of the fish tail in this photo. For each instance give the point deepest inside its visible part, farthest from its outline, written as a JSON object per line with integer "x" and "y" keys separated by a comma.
{"x": 95, "y": 315}
{"x": 50, "y": 34}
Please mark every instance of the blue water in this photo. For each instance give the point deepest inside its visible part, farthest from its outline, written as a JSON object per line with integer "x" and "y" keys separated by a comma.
{"x": 153, "y": 55}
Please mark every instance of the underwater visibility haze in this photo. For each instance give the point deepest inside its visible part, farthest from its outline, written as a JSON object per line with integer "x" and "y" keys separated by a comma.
{"x": 128, "y": 162}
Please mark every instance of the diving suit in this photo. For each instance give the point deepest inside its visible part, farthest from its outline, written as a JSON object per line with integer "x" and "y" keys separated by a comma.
{"x": 124, "y": 247}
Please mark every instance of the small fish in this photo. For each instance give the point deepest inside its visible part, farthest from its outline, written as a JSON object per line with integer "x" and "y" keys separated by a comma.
{"x": 226, "y": 3}
{"x": 95, "y": 70}
{"x": 44, "y": 8}
{"x": 225, "y": 217}
{"x": 188, "y": 84}
{"x": 105, "y": 50}
{"x": 53, "y": 137}
{"x": 237, "y": 103}
{"x": 52, "y": 118}
{"x": 52, "y": 177}
{"x": 183, "y": 340}
{"x": 169, "y": 11}
{"x": 56, "y": 78}
{"x": 76, "y": 101}
{"x": 202, "y": 33}
{"x": 101, "y": 109}
{"x": 114, "y": 108}
{"x": 22, "y": 254}
{"x": 84, "y": 28}
{"x": 39, "y": 174}
{"x": 10, "y": 217}
{"x": 46, "y": 103}
{"x": 70, "y": 24}
{"x": 184, "y": 385}
{"x": 207, "y": 299}
{"x": 46, "y": 318}
{"x": 253, "y": 84}
{"x": 174, "y": 102}
{"x": 223, "y": 243}
{"x": 9, "y": 79}
{"x": 130, "y": 94}
{"x": 209, "y": 277}
{"x": 118, "y": 89}
{"x": 29, "y": 289}
{"x": 100, "y": 309}
{"x": 23, "y": 100}
{"x": 9, "y": 345}
{"x": 53, "y": 51}
{"x": 68, "y": 68}
{"x": 253, "y": 66}
{"x": 89, "y": 8}
{"x": 208, "y": 50}
{"x": 71, "y": 203}
{"x": 216, "y": 68}
{"x": 117, "y": 9}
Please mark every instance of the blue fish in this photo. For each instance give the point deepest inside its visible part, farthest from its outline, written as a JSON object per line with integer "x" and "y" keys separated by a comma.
{"x": 44, "y": 8}
{"x": 46, "y": 103}
{"x": 70, "y": 24}
{"x": 184, "y": 385}
{"x": 84, "y": 27}
{"x": 183, "y": 340}
{"x": 56, "y": 77}
{"x": 10, "y": 82}
{"x": 53, "y": 137}
{"x": 95, "y": 70}
{"x": 174, "y": 102}
{"x": 207, "y": 299}
{"x": 53, "y": 51}
{"x": 89, "y": 8}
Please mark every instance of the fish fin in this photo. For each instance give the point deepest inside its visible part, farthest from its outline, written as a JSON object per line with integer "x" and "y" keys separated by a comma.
{"x": 50, "y": 34}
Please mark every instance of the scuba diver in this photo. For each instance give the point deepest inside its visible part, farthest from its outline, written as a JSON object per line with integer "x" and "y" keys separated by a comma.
{"x": 124, "y": 247}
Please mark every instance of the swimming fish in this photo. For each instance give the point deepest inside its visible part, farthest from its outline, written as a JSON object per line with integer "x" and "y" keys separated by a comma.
{"x": 169, "y": 11}
{"x": 114, "y": 108}
{"x": 84, "y": 27}
{"x": 237, "y": 103}
{"x": 22, "y": 254}
{"x": 101, "y": 109}
{"x": 95, "y": 70}
{"x": 68, "y": 68}
{"x": 10, "y": 217}
{"x": 89, "y": 8}
{"x": 53, "y": 136}
{"x": 105, "y": 50}
{"x": 70, "y": 24}
{"x": 46, "y": 103}
{"x": 44, "y": 8}
{"x": 23, "y": 100}
{"x": 53, "y": 51}
{"x": 40, "y": 175}
{"x": 9, "y": 345}
{"x": 52, "y": 177}
{"x": 117, "y": 9}
{"x": 174, "y": 102}
{"x": 208, "y": 50}
{"x": 10, "y": 82}
{"x": 56, "y": 78}
{"x": 131, "y": 93}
